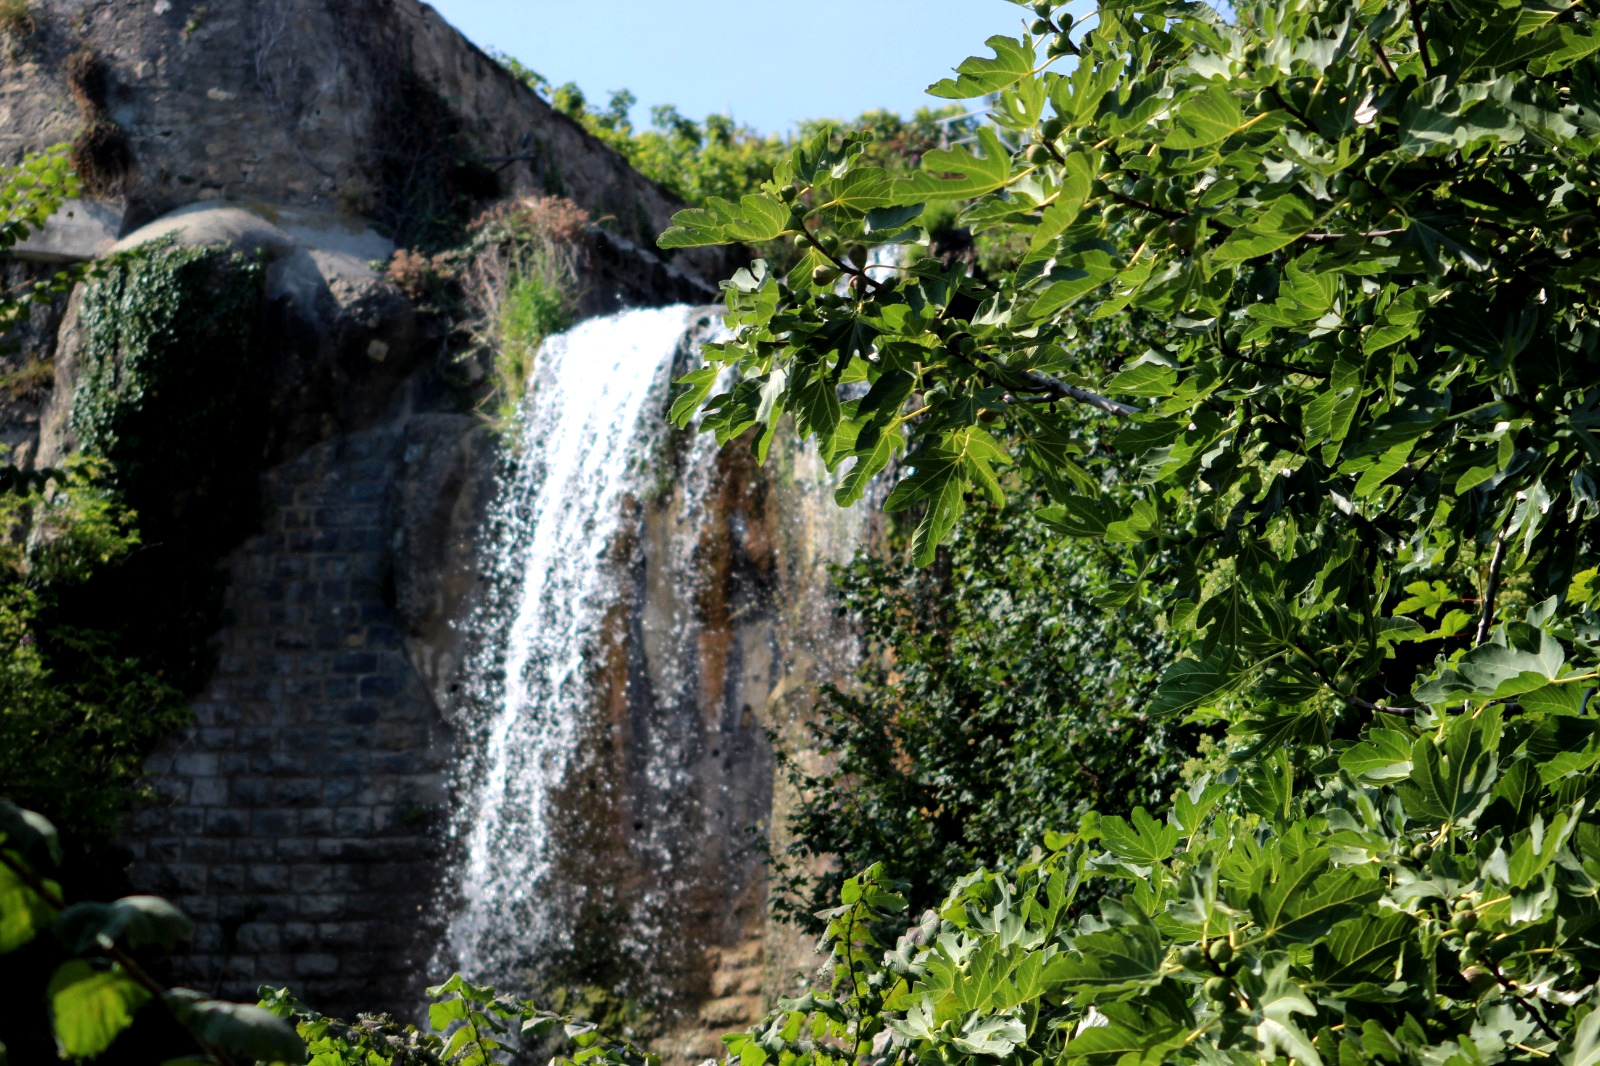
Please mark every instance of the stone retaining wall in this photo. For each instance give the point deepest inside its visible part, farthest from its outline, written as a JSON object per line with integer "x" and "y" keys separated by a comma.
{"x": 299, "y": 814}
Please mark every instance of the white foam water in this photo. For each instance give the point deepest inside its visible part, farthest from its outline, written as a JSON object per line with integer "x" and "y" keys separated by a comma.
{"x": 591, "y": 427}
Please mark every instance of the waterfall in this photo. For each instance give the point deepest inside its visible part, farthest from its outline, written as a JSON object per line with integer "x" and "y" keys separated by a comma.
{"x": 591, "y": 426}
{"x": 658, "y": 605}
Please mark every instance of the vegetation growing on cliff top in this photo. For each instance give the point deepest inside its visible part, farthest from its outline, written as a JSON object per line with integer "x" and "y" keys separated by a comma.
{"x": 697, "y": 160}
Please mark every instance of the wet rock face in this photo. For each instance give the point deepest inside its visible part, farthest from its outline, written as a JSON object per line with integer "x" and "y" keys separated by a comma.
{"x": 724, "y": 627}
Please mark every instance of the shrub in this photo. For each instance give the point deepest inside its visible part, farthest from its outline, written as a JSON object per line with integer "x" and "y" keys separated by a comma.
{"x": 546, "y": 219}
{"x": 997, "y": 700}
{"x": 91, "y": 964}
{"x": 16, "y": 18}
{"x": 518, "y": 275}
{"x": 537, "y": 303}
{"x": 78, "y": 717}
{"x": 28, "y": 381}
{"x": 1372, "y": 411}
{"x": 414, "y": 273}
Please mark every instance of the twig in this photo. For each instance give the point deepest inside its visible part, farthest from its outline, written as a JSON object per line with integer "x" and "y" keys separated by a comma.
{"x": 1422, "y": 38}
{"x": 1378, "y": 708}
{"x": 1050, "y": 387}
{"x": 1383, "y": 59}
{"x": 844, "y": 267}
{"x": 1511, "y": 990}
{"x": 1491, "y": 589}
{"x": 1341, "y": 236}
{"x": 1171, "y": 216}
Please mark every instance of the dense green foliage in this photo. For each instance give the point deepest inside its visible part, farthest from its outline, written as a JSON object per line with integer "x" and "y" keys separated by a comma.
{"x": 997, "y": 700}
{"x": 30, "y": 192}
{"x": 169, "y": 392}
{"x": 77, "y": 716}
{"x": 717, "y": 156}
{"x": 693, "y": 159}
{"x": 81, "y": 705}
{"x": 168, "y": 362}
{"x": 472, "y": 1025}
{"x": 1369, "y": 228}
{"x": 87, "y": 966}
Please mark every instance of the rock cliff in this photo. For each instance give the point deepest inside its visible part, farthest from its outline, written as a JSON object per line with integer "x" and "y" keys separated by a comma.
{"x": 304, "y": 816}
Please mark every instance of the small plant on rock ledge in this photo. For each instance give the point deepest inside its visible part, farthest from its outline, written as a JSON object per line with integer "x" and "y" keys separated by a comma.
{"x": 521, "y": 278}
{"x": 511, "y": 285}
{"x": 16, "y": 18}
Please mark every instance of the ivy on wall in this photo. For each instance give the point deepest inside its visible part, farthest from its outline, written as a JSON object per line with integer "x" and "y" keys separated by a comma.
{"x": 167, "y": 372}
{"x": 165, "y": 412}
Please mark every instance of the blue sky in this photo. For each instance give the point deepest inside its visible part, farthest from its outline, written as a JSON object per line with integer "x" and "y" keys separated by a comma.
{"x": 766, "y": 62}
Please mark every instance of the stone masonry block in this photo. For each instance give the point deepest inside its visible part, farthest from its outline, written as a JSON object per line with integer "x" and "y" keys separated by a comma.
{"x": 296, "y": 791}
{"x": 381, "y": 687}
{"x": 268, "y": 878}
{"x": 195, "y": 764}
{"x": 336, "y": 764}
{"x": 361, "y": 540}
{"x": 354, "y": 849}
{"x": 356, "y": 516}
{"x": 295, "y": 849}
{"x": 242, "y": 968}
{"x": 346, "y": 934}
{"x": 340, "y": 688}
{"x": 274, "y": 665}
{"x": 272, "y": 823}
{"x": 298, "y": 936}
{"x": 164, "y": 851}
{"x": 368, "y": 446}
{"x": 362, "y": 713}
{"x": 252, "y": 849}
{"x": 209, "y": 791}
{"x": 225, "y": 822}
{"x": 274, "y": 969}
{"x": 291, "y": 640}
{"x": 226, "y": 878}
{"x": 355, "y": 663}
{"x": 321, "y": 907}
{"x": 290, "y": 566}
{"x": 368, "y": 492}
{"x": 259, "y": 938}
{"x": 302, "y": 689}
{"x": 340, "y": 791}
{"x": 207, "y": 849}
{"x": 279, "y": 764}
{"x": 250, "y": 791}
{"x": 381, "y": 471}
{"x": 379, "y": 790}
{"x": 352, "y": 820}
{"x": 315, "y": 965}
{"x": 332, "y": 566}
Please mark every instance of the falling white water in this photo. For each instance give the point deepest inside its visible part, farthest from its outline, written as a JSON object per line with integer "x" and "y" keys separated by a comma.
{"x": 593, "y": 419}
